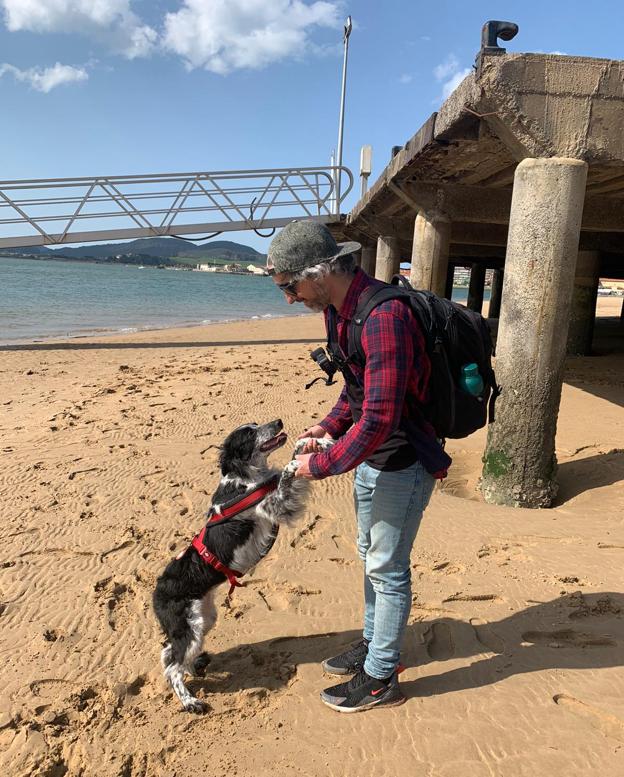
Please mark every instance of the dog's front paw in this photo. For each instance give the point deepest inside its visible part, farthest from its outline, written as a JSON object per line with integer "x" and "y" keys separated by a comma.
{"x": 300, "y": 445}
{"x": 288, "y": 473}
{"x": 320, "y": 444}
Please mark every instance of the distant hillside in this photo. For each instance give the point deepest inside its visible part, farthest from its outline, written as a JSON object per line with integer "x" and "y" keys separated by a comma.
{"x": 163, "y": 248}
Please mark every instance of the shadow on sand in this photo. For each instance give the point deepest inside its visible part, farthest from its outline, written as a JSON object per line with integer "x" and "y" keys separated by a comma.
{"x": 575, "y": 631}
{"x": 581, "y": 475}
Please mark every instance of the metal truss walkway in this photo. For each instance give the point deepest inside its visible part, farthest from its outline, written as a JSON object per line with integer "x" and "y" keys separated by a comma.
{"x": 80, "y": 210}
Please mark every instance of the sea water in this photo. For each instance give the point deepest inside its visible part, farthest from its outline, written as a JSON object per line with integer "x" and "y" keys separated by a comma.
{"x": 50, "y": 299}
{"x": 44, "y": 299}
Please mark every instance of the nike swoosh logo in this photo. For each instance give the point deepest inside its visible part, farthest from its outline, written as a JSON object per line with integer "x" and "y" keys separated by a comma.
{"x": 378, "y": 691}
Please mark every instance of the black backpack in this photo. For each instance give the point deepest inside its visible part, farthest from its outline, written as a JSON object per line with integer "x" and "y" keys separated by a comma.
{"x": 454, "y": 336}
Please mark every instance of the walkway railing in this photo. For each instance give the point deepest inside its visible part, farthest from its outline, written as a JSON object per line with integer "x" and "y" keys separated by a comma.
{"x": 77, "y": 210}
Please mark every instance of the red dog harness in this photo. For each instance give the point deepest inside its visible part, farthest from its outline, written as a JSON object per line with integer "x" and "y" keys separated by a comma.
{"x": 222, "y": 513}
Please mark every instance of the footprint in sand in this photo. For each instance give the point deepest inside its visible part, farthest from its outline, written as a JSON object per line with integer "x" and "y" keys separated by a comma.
{"x": 439, "y": 642}
{"x": 115, "y": 597}
{"x": 307, "y": 530}
{"x": 566, "y": 638}
{"x": 607, "y": 724}
{"x": 487, "y": 637}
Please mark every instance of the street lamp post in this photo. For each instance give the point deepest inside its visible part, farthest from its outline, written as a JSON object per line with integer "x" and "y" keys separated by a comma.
{"x": 347, "y": 32}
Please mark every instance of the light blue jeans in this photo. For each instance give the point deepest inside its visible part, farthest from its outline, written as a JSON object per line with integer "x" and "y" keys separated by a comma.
{"x": 389, "y": 508}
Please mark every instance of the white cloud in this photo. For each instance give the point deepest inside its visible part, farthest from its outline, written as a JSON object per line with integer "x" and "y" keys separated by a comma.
{"x": 406, "y": 78}
{"x": 226, "y": 35}
{"x": 451, "y": 85}
{"x": 111, "y": 21}
{"x": 446, "y": 68}
{"x": 449, "y": 73}
{"x": 44, "y": 80}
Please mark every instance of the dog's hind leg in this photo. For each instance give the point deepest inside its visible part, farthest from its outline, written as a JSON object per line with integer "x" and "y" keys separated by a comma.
{"x": 209, "y": 615}
{"x": 178, "y": 656}
{"x": 174, "y": 673}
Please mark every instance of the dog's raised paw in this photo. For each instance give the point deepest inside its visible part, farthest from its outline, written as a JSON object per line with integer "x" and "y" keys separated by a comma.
{"x": 322, "y": 443}
{"x": 290, "y": 469}
{"x": 300, "y": 445}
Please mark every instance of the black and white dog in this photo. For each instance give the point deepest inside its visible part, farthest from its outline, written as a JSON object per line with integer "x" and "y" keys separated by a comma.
{"x": 250, "y": 503}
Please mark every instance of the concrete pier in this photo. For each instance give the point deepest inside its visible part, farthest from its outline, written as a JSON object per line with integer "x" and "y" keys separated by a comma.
{"x": 456, "y": 174}
{"x": 369, "y": 256}
{"x": 583, "y": 311}
{"x": 496, "y": 293}
{"x": 430, "y": 252}
{"x": 388, "y": 260}
{"x": 547, "y": 204}
{"x": 476, "y": 287}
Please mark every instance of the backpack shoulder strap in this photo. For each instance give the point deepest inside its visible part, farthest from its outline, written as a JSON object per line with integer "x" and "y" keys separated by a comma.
{"x": 368, "y": 301}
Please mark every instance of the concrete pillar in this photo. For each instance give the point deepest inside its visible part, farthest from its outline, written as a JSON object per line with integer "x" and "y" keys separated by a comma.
{"x": 476, "y": 287}
{"x": 430, "y": 252}
{"x": 583, "y": 310}
{"x": 496, "y": 293}
{"x": 388, "y": 262}
{"x": 368, "y": 259}
{"x": 450, "y": 277}
{"x": 519, "y": 463}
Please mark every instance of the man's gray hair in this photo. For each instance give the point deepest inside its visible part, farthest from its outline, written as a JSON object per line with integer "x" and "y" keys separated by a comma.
{"x": 344, "y": 265}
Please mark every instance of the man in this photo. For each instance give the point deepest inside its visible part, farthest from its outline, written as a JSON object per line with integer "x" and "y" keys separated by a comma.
{"x": 394, "y": 472}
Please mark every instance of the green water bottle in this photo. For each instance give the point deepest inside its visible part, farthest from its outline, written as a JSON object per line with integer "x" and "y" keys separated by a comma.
{"x": 470, "y": 380}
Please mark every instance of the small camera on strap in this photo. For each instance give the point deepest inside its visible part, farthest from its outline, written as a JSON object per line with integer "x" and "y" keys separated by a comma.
{"x": 326, "y": 364}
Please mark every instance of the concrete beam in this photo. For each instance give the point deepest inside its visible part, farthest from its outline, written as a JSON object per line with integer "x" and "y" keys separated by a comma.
{"x": 483, "y": 205}
{"x": 492, "y": 255}
{"x": 479, "y": 234}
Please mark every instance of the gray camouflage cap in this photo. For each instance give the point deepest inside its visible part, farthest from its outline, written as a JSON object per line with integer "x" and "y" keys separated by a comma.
{"x": 303, "y": 244}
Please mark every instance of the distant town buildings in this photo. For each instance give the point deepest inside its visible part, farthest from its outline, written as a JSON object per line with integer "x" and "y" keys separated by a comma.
{"x": 235, "y": 269}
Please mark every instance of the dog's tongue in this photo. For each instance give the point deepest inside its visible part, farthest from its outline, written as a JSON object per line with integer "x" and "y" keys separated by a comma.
{"x": 275, "y": 442}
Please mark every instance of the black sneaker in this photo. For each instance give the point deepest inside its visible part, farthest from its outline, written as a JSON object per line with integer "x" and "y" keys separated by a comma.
{"x": 349, "y": 662}
{"x": 362, "y": 692}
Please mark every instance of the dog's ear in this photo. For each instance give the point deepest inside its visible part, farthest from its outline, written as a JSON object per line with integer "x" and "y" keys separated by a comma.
{"x": 237, "y": 450}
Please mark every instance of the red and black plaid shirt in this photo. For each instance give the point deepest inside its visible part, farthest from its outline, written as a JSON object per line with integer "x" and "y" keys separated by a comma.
{"x": 396, "y": 366}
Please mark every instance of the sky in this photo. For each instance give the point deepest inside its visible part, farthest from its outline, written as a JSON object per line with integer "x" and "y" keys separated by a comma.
{"x": 113, "y": 87}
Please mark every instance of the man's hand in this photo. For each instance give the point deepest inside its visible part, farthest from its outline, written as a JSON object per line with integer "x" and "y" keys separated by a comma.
{"x": 303, "y": 471}
{"x": 314, "y": 431}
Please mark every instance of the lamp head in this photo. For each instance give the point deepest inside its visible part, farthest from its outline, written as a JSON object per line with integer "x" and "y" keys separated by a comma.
{"x": 347, "y": 28}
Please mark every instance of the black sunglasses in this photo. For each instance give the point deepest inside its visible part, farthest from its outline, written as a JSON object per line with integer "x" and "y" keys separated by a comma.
{"x": 289, "y": 288}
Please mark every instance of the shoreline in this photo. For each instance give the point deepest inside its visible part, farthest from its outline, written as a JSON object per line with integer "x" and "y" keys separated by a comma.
{"x": 128, "y": 331}
{"x": 606, "y": 307}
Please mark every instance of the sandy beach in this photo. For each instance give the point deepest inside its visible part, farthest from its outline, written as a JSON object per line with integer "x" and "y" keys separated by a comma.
{"x": 514, "y": 647}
